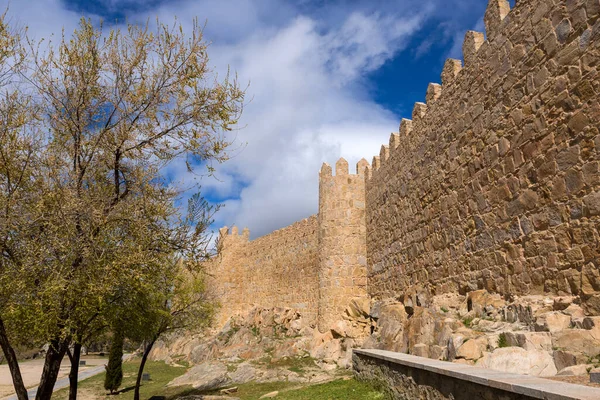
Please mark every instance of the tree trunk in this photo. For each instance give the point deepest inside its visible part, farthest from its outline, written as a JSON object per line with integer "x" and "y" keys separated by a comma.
{"x": 138, "y": 382}
{"x": 74, "y": 373}
{"x": 54, "y": 355}
{"x": 13, "y": 365}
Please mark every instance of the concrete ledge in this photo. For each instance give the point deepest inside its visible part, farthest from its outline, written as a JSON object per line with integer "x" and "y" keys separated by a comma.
{"x": 524, "y": 385}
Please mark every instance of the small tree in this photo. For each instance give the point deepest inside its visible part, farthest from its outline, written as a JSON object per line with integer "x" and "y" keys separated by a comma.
{"x": 114, "y": 369}
{"x": 179, "y": 302}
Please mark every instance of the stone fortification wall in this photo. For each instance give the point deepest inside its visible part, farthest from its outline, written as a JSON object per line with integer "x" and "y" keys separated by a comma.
{"x": 275, "y": 270}
{"x": 495, "y": 182}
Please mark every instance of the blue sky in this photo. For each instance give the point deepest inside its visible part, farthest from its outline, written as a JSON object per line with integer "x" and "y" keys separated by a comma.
{"x": 328, "y": 78}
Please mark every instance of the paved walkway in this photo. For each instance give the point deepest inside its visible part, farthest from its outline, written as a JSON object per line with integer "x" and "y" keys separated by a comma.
{"x": 32, "y": 369}
{"x": 63, "y": 382}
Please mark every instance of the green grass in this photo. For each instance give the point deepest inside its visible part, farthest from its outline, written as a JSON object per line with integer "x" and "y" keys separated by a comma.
{"x": 294, "y": 364}
{"x": 341, "y": 389}
{"x": 468, "y": 321}
{"x": 160, "y": 375}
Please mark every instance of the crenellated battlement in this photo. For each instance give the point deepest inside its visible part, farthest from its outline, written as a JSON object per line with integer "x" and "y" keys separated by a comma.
{"x": 233, "y": 234}
{"x": 342, "y": 169}
{"x": 494, "y": 182}
{"x": 495, "y": 19}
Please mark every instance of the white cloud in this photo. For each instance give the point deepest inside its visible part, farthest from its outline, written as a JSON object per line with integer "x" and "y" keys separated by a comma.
{"x": 308, "y": 104}
{"x": 306, "y": 109}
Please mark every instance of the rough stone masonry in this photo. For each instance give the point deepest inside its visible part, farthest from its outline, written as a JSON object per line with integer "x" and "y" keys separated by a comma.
{"x": 494, "y": 184}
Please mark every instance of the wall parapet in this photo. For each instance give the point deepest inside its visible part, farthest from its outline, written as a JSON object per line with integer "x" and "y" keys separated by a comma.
{"x": 411, "y": 375}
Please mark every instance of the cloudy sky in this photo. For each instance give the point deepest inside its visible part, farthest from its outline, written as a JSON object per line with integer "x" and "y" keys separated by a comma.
{"x": 327, "y": 78}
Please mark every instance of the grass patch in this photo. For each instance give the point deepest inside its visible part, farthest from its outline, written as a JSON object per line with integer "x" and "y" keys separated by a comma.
{"x": 160, "y": 375}
{"x": 444, "y": 309}
{"x": 294, "y": 364}
{"x": 468, "y": 321}
{"x": 341, "y": 389}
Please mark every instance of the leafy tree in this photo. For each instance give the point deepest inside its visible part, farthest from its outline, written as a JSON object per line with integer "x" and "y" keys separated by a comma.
{"x": 92, "y": 221}
{"x": 114, "y": 369}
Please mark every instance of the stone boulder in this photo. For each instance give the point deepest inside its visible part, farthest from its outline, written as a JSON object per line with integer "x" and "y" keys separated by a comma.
{"x": 554, "y": 321}
{"x": 243, "y": 373}
{"x": 519, "y": 361}
{"x": 529, "y": 340}
{"x": 456, "y": 340}
{"x": 472, "y": 349}
{"x": 575, "y": 370}
{"x": 349, "y": 329}
{"x": 448, "y": 302}
{"x": 438, "y": 352}
{"x": 578, "y": 341}
{"x": 591, "y": 323}
{"x": 564, "y": 359}
{"x": 483, "y": 303}
{"x": 574, "y": 311}
{"x": 392, "y": 319}
{"x": 526, "y": 309}
{"x": 421, "y": 328}
{"x": 325, "y": 347}
{"x": 359, "y": 308}
{"x": 562, "y": 302}
{"x": 205, "y": 376}
{"x": 421, "y": 350}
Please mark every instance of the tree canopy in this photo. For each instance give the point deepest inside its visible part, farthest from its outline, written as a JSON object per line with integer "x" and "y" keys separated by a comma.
{"x": 89, "y": 222}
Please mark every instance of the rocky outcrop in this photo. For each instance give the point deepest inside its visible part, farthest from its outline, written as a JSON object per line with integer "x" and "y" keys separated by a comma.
{"x": 535, "y": 335}
{"x": 519, "y": 361}
{"x": 266, "y": 345}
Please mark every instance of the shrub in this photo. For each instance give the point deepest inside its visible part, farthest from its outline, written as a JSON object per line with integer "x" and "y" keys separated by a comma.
{"x": 502, "y": 342}
{"x": 114, "y": 369}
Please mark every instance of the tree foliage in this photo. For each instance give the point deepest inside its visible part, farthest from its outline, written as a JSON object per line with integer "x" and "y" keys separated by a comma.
{"x": 89, "y": 224}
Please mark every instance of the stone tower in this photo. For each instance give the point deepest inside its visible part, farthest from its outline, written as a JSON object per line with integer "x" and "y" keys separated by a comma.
{"x": 342, "y": 241}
